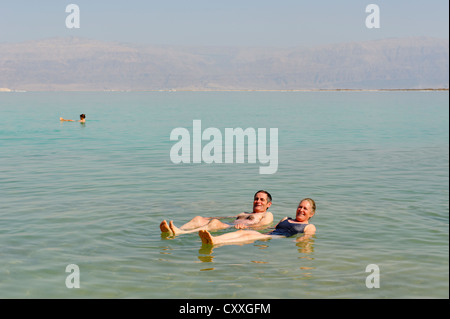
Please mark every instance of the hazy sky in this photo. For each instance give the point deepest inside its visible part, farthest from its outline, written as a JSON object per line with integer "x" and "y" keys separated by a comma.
{"x": 225, "y": 22}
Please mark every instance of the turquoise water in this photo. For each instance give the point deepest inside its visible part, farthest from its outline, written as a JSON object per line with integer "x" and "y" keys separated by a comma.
{"x": 377, "y": 164}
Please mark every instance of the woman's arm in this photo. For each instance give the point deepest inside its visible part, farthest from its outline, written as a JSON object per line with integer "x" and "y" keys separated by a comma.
{"x": 309, "y": 231}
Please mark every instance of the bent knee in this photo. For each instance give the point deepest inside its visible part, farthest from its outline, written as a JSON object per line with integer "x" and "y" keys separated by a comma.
{"x": 200, "y": 219}
{"x": 216, "y": 222}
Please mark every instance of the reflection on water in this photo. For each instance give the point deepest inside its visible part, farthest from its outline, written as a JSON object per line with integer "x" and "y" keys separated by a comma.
{"x": 206, "y": 254}
{"x": 167, "y": 236}
{"x": 305, "y": 246}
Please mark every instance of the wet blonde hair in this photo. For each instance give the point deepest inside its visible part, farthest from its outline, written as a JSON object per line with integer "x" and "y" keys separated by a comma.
{"x": 312, "y": 202}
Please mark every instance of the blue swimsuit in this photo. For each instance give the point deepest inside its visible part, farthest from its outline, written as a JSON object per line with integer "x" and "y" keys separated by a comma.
{"x": 288, "y": 229}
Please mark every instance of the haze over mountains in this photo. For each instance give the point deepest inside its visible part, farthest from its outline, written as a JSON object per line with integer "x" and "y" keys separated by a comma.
{"x": 84, "y": 64}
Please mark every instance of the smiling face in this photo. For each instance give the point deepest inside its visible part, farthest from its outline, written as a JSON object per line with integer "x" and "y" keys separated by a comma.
{"x": 261, "y": 203}
{"x": 304, "y": 211}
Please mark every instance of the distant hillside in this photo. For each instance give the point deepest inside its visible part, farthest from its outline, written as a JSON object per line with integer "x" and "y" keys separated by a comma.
{"x": 83, "y": 64}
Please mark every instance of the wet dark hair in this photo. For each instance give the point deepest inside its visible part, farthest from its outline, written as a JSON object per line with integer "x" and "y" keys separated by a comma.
{"x": 82, "y": 116}
{"x": 269, "y": 197}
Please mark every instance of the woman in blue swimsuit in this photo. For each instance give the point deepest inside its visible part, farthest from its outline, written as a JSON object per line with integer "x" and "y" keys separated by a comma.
{"x": 287, "y": 227}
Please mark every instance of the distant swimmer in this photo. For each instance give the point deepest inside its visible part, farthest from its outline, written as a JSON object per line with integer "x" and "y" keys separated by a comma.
{"x": 82, "y": 119}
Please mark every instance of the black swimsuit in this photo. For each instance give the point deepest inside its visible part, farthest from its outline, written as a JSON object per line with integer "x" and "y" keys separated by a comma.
{"x": 288, "y": 229}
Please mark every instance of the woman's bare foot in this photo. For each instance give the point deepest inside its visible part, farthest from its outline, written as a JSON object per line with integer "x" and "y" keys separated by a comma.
{"x": 165, "y": 227}
{"x": 206, "y": 237}
{"x": 238, "y": 237}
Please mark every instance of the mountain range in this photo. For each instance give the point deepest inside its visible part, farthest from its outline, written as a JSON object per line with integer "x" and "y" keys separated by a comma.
{"x": 86, "y": 64}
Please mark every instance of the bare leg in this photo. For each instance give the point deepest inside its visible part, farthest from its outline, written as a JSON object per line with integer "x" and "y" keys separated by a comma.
{"x": 234, "y": 237}
{"x": 196, "y": 222}
{"x": 214, "y": 224}
{"x": 175, "y": 230}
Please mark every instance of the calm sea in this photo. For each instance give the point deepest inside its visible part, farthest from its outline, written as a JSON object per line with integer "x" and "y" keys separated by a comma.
{"x": 93, "y": 195}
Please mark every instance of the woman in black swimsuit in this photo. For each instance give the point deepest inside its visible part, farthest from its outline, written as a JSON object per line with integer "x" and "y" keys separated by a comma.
{"x": 287, "y": 227}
